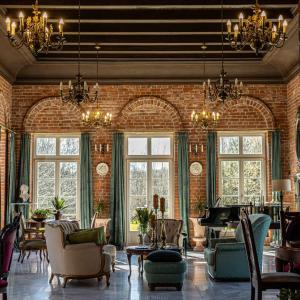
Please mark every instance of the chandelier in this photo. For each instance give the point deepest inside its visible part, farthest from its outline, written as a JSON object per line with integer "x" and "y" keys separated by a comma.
{"x": 34, "y": 32}
{"x": 257, "y": 32}
{"x": 78, "y": 91}
{"x": 205, "y": 118}
{"x": 97, "y": 118}
{"x": 223, "y": 88}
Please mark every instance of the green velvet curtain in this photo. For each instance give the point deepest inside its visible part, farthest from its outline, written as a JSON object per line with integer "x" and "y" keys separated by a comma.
{"x": 11, "y": 178}
{"x": 117, "y": 196}
{"x": 24, "y": 171}
{"x": 86, "y": 191}
{"x": 211, "y": 168}
{"x": 298, "y": 144}
{"x": 276, "y": 161}
{"x": 183, "y": 179}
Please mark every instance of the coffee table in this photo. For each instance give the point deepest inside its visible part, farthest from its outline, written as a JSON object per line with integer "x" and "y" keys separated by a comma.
{"x": 142, "y": 251}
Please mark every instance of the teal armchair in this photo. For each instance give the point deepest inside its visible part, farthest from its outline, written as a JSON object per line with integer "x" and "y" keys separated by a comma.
{"x": 227, "y": 259}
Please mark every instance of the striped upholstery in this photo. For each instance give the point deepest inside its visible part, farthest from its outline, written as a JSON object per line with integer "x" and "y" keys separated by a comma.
{"x": 66, "y": 226}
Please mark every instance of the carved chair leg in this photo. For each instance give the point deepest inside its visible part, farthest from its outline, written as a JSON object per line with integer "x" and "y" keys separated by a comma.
{"x": 252, "y": 293}
{"x": 4, "y": 295}
{"x": 51, "y": 278}
{"x": 20, "y": 255}
{"x": 107, "y": 275}
{"x": 65, "y": 282}
{"x": 28, "y": 254}
{"x": 113, "y": 266}
{"x": 23, "y": 255}
{"x": 179, "y": 287}
{"x": 41, "y": 258}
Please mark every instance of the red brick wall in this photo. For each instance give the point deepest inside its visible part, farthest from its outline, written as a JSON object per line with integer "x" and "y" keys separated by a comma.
{"x": 5, "y": 114}
{"x": 153, "y": 108}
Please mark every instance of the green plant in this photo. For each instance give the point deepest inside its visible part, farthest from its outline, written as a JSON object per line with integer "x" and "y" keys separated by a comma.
{"x": 142, "y": 216}
{"x": 59, "y": 204}
{"x": 99, "y": 207}
{"x": 41, "y": 212}
{"x": 200, "y": 206}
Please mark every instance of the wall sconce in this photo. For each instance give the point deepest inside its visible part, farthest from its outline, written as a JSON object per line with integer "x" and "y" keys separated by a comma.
{"x": 195, "y": 149}
{"x": 102, "y": 148}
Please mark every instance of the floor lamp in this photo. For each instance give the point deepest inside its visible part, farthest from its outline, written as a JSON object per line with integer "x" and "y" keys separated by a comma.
{"x": 281, "y": 186}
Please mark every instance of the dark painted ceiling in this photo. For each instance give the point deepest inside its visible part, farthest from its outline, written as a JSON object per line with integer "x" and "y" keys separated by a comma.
{"x": 148, "y": 29}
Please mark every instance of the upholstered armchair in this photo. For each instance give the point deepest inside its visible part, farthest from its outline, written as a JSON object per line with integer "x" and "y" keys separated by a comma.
{"x": 173, "y": 232}
{"x": 199, "y": 235}
{"x": 226, "y": 257}
{"x": 69, "y": 261}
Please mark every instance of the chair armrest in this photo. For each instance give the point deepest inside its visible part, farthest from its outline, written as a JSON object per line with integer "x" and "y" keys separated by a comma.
{"x": 213, "y": 242}
{"x": 238, "y": 246}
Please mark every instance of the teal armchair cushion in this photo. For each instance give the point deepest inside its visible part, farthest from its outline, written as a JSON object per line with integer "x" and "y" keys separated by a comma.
{"x": 226, "y": 258}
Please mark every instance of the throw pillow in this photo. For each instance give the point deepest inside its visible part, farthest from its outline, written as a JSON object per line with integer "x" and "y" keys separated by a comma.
{"x": 87, "y": 236}
{"x": 164, "y": 256}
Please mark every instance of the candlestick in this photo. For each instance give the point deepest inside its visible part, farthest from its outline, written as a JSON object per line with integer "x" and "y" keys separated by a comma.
{"x": 155, "y": 201}
{"x": 162, "y": 205}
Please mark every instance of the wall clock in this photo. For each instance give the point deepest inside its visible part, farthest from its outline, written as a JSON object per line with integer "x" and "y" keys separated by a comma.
{"x": 196, "y": 168}
{"x": 102, "y": 169}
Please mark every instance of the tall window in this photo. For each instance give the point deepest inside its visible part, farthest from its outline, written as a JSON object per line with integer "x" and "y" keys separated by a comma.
{"x": 149, "y": 163}
{"x": 242, "y": 168}
{"x": 56, "y": 171}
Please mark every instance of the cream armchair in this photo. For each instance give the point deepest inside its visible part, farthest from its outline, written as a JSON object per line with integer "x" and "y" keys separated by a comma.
{"x": 74, "y": 261}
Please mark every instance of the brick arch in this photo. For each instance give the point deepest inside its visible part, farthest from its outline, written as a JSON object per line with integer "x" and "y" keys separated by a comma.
{"x": 248, "y": 112}
{"x": 50, "y": 114}
{"x": 149, "y": 112}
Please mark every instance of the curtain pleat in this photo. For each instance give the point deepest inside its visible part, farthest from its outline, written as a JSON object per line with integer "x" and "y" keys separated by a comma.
{"x": 183, "y": 179}
{"x": 117, "y": 197}
{"x": 86, "y": 191}
{"x": 276, "y": 161}
{"x": 24, "y": 171}
{"x": 211, "y": 168}
{"x": 11, "y": 178}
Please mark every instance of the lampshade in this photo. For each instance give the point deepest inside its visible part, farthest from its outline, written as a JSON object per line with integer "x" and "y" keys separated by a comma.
{"x": 281, "y": 185}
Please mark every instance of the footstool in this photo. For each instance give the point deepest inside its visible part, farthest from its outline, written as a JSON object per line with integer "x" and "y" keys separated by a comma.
{"x": 164, "y": 268}
{"x": 112, "y": 251}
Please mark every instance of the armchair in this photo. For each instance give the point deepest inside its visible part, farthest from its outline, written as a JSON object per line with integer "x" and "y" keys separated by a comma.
{"x": 226, "y": 257}
{"x": 71, "y": 261}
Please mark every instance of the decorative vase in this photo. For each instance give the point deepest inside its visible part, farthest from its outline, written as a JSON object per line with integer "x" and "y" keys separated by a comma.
{"x": 143, "y": 232}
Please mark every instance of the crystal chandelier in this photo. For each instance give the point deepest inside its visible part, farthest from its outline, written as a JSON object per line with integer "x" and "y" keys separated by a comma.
{"x": 205, "y": 118}
{"x": 257, "y": 32}
{"x": 78, "y": 91}
{"x": 223, "y": 88}
{"x": 97, "y": 118}
{"x": 34, "y": 32}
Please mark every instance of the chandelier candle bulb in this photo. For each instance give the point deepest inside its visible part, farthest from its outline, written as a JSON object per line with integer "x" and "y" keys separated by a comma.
{"x": 228, "y": 26}
{"x": 280, "y": 20}
{"x": 236, "y": 31}
{"x": 263, "y": 16}
{"x": 107, "y": 148}
{"x": 61, "y": 86}
{"x": 45, "y": 16}
{"x": 190, "y": 148}
{"x": 13, "y": 28}
{"x": 284, "y": 24}
{"x": 21, "y": 19}
{"x": 7, "y": 21}
{"x": 61, "y": 26}
{"x": 202, "y": 148}
{"x": 241, "y": 18}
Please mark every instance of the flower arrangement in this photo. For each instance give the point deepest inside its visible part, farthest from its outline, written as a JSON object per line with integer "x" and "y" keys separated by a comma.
{"x": 59, "y": 205}
{"x": 143, "y": 216}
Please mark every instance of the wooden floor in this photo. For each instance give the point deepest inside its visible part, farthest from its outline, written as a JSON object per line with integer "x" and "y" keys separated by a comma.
{"x": 29, "y": 281}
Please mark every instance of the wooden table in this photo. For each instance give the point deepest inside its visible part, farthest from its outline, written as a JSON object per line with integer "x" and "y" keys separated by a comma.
{"x": 142, "y": 251}
{"x": 286, "y": 255}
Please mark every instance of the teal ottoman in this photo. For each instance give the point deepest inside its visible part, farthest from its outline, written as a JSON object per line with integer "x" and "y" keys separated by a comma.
{"x": 165, "y": 273}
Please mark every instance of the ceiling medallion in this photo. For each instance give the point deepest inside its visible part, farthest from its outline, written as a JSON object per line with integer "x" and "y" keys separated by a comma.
{"x": 78, "y": 91}
{"x": 222, "y": 89}
{"x": 97, "y": 118}
{"x": 257, "y": 32}
{"x": 206, "y": 118}
{"x": 34, "y": 32}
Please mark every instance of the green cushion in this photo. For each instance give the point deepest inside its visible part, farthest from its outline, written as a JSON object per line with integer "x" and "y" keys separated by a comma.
{"x": 95, "y": 235}
{"x": 165, "y": 267}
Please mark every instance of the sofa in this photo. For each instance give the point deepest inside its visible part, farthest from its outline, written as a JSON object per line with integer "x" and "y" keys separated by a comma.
{"x": 226, "y": 257}
{"x": 74, "y": 261}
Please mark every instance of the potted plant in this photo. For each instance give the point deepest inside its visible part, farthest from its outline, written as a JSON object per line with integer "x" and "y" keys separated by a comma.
{"x": 142, "y": 216}
{"x": 40, "y": 215}
{"x": 99, "y": 208}
{"x": 200, "y": 207}
{"x": 59, "y": 205}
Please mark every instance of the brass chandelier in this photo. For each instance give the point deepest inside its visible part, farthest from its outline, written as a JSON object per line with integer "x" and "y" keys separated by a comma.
{"x": 97, "y": 118}
{"x": 206, "y": 118}
{"x": 78, "y": 91}
{"x": 34, "y": 32}
{"x": 257, "y": 32}
{"x": 222, "y": 89}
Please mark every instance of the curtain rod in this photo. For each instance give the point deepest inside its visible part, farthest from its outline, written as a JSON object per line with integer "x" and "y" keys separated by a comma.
{"x": 5, "y": 127}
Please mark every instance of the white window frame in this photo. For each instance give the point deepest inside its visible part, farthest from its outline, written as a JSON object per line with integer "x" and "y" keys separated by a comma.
{"x": 149, "y": 159}
{"x": 241, "y": 158}
{"x": 57, "y": 159}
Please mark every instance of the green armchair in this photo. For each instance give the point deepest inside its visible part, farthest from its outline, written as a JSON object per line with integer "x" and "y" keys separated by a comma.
{"x": 226, "y": 258}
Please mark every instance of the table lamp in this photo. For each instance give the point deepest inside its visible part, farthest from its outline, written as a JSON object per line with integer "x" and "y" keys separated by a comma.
{"x": 281, "y": 185}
